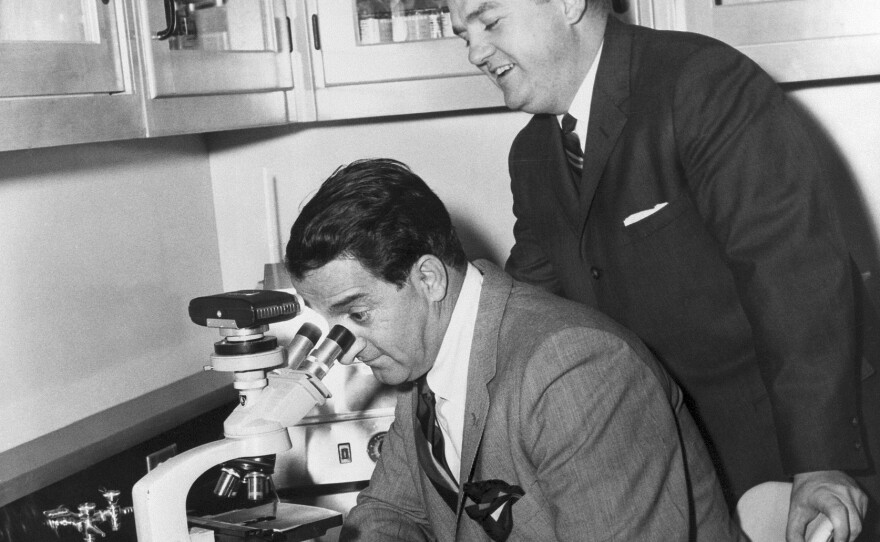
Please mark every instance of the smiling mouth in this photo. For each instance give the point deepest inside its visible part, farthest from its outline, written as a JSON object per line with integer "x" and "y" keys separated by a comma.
{"x": 501, "y": 70}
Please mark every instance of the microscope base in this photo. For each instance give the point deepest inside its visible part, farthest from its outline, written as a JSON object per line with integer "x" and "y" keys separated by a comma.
{"x": 276, "y": 522}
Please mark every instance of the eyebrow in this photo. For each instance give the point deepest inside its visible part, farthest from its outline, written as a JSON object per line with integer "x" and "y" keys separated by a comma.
{"x": 343, "y": 303}
{"x": 475, "y": 14}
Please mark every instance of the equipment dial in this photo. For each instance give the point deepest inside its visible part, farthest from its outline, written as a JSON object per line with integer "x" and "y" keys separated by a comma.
{"x": 374, "y": 446}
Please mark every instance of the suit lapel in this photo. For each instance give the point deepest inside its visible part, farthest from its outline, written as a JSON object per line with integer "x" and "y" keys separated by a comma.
{"x": 483, "y": 362}
{"x": 546, "y": 166}
{"x": 494, "y": 295}
{"x": 607, "y": 109}
{"x": 481, "y": 369}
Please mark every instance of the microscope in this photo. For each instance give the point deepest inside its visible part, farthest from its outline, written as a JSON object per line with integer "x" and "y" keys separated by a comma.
{"x": 277, "y": 386}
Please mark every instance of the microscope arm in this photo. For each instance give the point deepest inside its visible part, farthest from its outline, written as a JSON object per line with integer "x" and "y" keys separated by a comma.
{"x": 290, "y": 395}
{"x": 256, "y": 428}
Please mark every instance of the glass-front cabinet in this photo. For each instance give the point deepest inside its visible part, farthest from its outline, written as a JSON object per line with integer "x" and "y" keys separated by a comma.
{"x": 215, "y": 46}
{"x": 214, "y": 64}
{"x": 388, "y": 57}
{"x": 365, "y": 41}
{"x": 68, "y": 61}
{"x": 33, "y": 31}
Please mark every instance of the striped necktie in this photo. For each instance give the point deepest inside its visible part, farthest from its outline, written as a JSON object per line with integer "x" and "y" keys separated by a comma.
{"x": 427, "y": 417}
{"x": 573, "y": 149}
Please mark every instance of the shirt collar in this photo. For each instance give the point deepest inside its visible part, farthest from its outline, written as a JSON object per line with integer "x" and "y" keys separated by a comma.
{"x": 580, "y": 106}
{"x": 451, "y": 366}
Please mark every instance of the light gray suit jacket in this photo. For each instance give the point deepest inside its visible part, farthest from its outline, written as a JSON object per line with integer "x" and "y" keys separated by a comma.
{"x": 569, "y": 406}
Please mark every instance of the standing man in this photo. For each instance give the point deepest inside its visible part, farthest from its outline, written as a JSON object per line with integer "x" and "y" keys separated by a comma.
{"x": 524, "y": 416}
{"x": 698, "y": 216}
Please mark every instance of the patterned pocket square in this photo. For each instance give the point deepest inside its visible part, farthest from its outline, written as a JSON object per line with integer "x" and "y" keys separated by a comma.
{"x": 492, "y": 502}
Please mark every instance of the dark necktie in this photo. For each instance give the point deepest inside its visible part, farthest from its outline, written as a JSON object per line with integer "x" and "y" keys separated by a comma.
{"x": 425, "y": 412}
{"x": 573, "y": 149}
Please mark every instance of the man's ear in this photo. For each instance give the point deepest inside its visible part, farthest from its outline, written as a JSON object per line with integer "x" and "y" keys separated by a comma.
{"x": 575, "y": 10}
{"x": 430, "y": 276}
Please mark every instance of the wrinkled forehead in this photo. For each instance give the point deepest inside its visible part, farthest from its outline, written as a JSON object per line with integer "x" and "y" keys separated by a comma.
{"x": 334, "y": 284}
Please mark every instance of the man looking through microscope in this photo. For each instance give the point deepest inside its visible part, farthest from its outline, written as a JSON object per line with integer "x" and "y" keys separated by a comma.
{"x": 523, "y": 416}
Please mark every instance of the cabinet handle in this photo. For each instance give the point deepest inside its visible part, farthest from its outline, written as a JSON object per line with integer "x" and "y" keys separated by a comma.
{"x": 170, "y": 22}
{"x": 316, "y": 34}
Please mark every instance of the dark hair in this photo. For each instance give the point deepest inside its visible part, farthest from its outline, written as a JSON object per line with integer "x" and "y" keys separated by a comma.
{"x": 378, "y": 212}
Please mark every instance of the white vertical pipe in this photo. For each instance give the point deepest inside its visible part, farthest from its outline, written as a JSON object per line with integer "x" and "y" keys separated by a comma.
{"x": 272, "y": 226}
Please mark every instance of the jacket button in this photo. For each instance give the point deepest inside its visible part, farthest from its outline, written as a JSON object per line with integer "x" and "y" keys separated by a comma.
{"x": 858, "y": 445}
{"x": 595, "y": 272}
{"x": 855, "y": 422}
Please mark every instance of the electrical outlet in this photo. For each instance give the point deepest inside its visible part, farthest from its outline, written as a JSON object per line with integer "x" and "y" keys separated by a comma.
{"x": 165, "y": 453}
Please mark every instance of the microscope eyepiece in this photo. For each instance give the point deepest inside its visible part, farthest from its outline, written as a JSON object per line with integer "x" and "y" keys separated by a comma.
{"x": 342, "y": 336}
{"x": 322, "y": 358}
{"x": 302, "y": 343}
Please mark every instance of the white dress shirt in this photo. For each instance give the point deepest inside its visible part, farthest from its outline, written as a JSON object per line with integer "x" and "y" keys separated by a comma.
{"x": 448, "y": 377}
{"x": 580, "y": 106}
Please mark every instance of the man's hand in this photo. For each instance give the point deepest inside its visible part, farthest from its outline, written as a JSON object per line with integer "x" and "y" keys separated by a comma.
{"x": 832, "y": 493}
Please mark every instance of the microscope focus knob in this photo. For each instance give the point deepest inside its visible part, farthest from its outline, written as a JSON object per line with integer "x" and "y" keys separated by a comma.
{"x": 59, "y": 516}
{"x": 112, "y": 495}
{"x": 86, "y": 509}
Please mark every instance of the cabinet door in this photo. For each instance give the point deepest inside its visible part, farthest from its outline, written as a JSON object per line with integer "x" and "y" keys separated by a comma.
{"x": 66, "y": 73}
{"x": 397, "y": 57}
{"x": 210, "y": 47}
{"x": 368, "y": 41}
{"x": 794, "y": 40}
{"x": 52, "y": 47}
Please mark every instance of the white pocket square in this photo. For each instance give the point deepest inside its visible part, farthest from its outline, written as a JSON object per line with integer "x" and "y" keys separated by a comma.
{"x": 641, "y": 215}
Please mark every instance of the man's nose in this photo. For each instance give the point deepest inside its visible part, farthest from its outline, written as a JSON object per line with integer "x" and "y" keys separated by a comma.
{"x": 479, "y": 51}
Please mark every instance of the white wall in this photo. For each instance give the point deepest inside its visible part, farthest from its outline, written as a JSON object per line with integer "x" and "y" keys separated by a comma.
{"x": 462, "y": 157}
{"x": 850, "y": 115}
{"x": 101, "y": 248}
{"x": 103, "y": 245}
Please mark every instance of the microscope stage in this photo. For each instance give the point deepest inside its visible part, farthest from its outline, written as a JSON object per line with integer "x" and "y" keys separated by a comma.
{"x": 276, "y": 522}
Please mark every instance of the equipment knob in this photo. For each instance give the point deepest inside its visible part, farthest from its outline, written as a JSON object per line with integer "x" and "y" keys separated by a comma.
{"x": 374, "y": 446}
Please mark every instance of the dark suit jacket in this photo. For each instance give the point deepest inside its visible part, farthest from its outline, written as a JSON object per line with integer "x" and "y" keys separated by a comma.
{"x": 742, "y": 284}
{"x": 569, "y": 406}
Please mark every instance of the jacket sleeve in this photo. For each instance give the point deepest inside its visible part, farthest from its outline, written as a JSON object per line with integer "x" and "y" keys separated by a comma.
{"x": 528, "y": 262}
{"x": 391, "y": 507}
{"x": 751, "y": 165}
{"x": 601, "y": 430}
